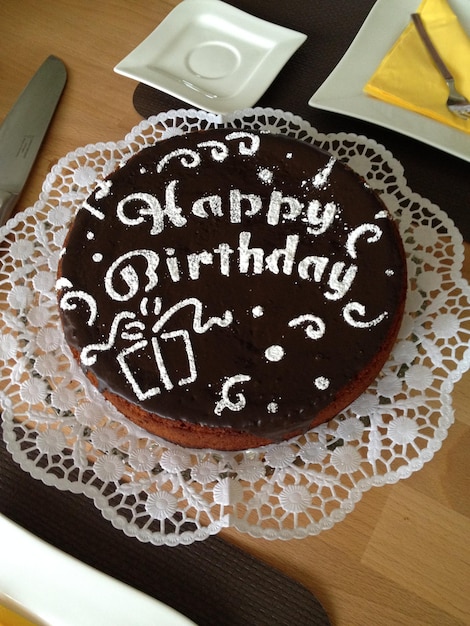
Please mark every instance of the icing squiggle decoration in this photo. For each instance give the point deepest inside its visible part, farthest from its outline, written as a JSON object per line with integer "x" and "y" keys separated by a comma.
{"x": 66, "y": 305}
{"x": 130, "y": 276}
{"x": 94, "y": 211}
{"x": 359, "y": 232}
{"x": 225, "y": 402}
{"x": 244, "y": 148}
{"x": 381, "y": 215}
{"x": 90, "y": 359}
{"x": 315, "y": 329}
{"x": 198, "y": 327}
{"x": 219, "y": 150}
{"x": 189, "y": 158}
{"x": 104, "y": 187}
{"x": 360, "y": 309}
{"x": 63, "y": 283}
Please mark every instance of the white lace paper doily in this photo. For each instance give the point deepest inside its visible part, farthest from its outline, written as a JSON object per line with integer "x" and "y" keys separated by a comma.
{"x": 61, "y": 431}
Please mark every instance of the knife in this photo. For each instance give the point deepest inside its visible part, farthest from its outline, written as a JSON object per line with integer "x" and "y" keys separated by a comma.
{"x": 23, "y": 130}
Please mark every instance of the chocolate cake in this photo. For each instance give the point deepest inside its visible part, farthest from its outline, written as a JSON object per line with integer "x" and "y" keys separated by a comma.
{"x": 226, "y": 289}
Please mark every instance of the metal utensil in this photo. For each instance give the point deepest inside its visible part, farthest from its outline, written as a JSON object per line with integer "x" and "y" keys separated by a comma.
{"x": 23, "y": 130}
{"x": 456, "y": 102}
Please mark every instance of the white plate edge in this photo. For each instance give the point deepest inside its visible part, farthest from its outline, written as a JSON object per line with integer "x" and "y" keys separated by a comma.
{"x": 291, "y": 42}
{"x": 61, "y": 590}
{"x": 332, "y": 95}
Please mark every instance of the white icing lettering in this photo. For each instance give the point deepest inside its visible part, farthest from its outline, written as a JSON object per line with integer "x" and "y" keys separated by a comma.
{"x": 195, "y": 261}
{"x": 151, "y": 206}
{"x": 272, "y": 260}
{"x": 338, "y": 277}
{"x": 173, "y": 265}
{"x": 214, "y": 204}
{"x": 246, "y": 254}
{"x": 320, "y": 218}
{"x": 340, "y": 281}
{"x": 224, "y": 250}
{"x": 276, "y": 203}
{"x": 236, "y": 200}
{"x": 319, "y": 264}
{"x": 130, "y": 276}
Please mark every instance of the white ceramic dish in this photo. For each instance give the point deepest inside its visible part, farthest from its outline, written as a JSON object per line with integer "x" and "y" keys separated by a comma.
{"x": 342, "y": 92}
{"x": 49, "y": 587}
{"x": 212, "y": 55}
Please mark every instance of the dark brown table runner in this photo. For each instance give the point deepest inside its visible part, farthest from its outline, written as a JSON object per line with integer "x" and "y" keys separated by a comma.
{"x": 330, "y": 28}
{"x": 212, "y": 582}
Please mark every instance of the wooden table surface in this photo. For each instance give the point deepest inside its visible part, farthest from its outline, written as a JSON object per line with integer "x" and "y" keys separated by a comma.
{"x": 403, "y": 555}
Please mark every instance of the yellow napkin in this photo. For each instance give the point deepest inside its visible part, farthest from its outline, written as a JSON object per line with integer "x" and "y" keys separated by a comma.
{"x": 11, "y": 618}
{"x": 407, "y": 76}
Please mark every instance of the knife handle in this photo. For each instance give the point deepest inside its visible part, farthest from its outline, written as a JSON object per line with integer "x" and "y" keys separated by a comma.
{"x": 7, "y": 202}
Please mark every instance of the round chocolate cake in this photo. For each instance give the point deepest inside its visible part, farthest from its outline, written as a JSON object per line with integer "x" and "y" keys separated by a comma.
{"x": 226, "y": 289}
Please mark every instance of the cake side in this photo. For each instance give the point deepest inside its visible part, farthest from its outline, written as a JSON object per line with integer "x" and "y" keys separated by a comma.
{"x": 226, "y": 289}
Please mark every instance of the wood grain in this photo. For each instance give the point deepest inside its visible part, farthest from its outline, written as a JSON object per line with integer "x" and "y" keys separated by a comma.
{"x": 402, "y": 557}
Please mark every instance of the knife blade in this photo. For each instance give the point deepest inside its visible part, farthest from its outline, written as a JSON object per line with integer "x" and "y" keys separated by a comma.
{"x": 23, "y": 130}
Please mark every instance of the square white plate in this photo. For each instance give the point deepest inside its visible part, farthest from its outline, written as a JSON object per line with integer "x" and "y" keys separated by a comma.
{"x": 212, "y": 55}
{"x": 48, "y": 586}
{"x": 342, "y": 92}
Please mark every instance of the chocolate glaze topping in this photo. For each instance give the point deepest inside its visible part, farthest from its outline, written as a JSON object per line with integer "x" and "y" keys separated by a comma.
{"x": 231, "y": 279}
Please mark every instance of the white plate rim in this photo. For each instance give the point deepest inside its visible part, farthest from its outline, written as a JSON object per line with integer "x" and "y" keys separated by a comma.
{"x": 139, "y": 63}
{"x": 51, "y": 587}
{"x": 342, "y": 92}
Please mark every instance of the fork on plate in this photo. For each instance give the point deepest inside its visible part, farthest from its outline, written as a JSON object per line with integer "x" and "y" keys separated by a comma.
{"x": 456, "y": 102}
